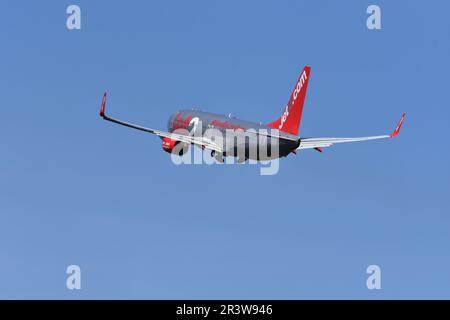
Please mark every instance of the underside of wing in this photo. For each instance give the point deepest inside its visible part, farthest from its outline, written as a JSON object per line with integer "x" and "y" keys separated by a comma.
{"x": 317, "y": 143}
{"x": 310, "y": 143}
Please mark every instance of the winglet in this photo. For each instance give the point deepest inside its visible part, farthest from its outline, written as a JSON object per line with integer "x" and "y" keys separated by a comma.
{"x": 102, "y": 110}
{"x": 399, "y": 125}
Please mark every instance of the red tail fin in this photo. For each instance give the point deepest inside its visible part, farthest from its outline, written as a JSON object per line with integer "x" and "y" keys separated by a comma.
{"x": 290, "y": 119}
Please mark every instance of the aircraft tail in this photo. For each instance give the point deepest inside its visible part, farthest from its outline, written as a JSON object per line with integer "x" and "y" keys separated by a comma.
{"x": 292, "y": 114}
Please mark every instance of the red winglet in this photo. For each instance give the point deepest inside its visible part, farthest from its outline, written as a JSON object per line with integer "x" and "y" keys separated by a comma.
{"x": 102, "y": 110}
{"x": 399, "y": 125}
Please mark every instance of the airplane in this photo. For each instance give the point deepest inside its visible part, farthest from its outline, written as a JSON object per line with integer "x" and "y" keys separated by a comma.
{"x": 207, "y": 131}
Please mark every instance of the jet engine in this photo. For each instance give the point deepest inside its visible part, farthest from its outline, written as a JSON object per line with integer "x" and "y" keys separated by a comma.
{"x": 174, "y": 146}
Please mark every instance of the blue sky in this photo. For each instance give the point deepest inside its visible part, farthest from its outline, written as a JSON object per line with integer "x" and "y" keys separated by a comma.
{"x": 77, "y": 190}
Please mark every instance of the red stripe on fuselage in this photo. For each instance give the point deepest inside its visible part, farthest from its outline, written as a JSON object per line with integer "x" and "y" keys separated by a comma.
{"x": 226, "y": 125}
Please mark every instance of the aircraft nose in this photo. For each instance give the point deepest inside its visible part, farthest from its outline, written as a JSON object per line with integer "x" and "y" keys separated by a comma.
{"x": 170, "y": 122}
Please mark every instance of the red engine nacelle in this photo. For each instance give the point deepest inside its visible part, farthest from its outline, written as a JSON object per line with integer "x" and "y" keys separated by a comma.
{"x": 174, "y": 146}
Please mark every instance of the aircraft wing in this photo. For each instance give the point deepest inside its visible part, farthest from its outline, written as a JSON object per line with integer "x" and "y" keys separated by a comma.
{"x": 318, "y": 143}
{"x": 202, "y": 142}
